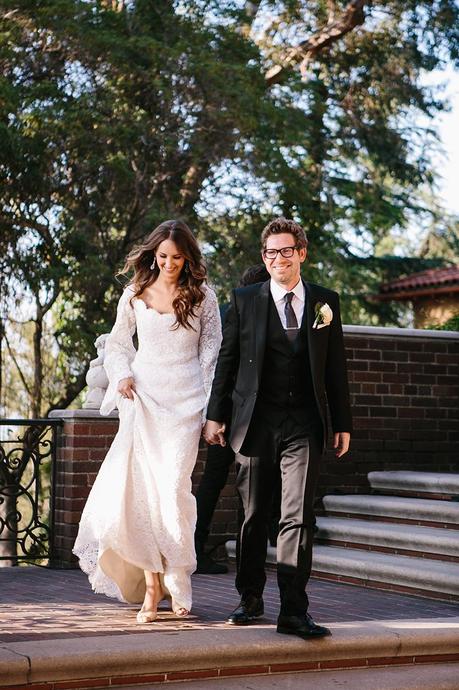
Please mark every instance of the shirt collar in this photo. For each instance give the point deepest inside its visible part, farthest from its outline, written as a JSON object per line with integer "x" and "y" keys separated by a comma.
{"x": 278, "y": 293}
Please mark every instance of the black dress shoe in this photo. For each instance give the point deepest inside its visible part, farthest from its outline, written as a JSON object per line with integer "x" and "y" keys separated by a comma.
{"x": 207, "y": 566}
{"x": 251, "y": 607}
{"x": 301, "y": 626}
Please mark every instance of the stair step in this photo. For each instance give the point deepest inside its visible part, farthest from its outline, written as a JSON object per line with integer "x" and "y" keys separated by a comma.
{"x": 415, "y": 509}
{"x": 418, "y": 574}
{"x": 429, "y": 482}
{"x": 218, "y": 652}
{"x": 412, "y": 677}
{"x": 428, "y": 540}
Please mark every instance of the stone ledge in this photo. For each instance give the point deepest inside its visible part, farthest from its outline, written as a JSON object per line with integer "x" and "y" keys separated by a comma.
{"x": 394, "y": 506}
{"x": 253, "y": 648}
{"x": 379, "y": 331}
{"x": 431, "y": 482}
{"x": 82, "y": 414}
{"x": 14, "y": 666}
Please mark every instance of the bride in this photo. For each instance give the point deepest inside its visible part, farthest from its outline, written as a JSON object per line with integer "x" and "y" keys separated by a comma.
{"x": 136, "y": 535}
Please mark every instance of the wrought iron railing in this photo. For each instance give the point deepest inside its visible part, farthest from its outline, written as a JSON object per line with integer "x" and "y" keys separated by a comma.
{"x": 27, "y": 481}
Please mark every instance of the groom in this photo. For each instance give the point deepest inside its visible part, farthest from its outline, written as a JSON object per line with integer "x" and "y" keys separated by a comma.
{"x": 281, "y": 359}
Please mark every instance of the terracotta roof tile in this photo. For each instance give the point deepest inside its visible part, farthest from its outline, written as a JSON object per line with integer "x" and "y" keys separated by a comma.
{"x": 432, "y": 277}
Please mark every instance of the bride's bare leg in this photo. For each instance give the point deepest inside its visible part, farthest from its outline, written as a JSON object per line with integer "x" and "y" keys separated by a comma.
{"x": 153, "y": 596}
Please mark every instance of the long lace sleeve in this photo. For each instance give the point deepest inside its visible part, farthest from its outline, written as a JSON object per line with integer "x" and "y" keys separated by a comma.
{"x": 210, "y": 340}
{"x": 119, "y": 350}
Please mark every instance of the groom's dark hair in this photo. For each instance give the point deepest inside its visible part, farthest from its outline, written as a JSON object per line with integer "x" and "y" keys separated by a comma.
{"x": 281, "y": 225}
{"x": 254, "y": 274}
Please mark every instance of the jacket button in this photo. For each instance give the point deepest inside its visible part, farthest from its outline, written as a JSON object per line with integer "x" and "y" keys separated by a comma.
{"x": 250, "y": 361}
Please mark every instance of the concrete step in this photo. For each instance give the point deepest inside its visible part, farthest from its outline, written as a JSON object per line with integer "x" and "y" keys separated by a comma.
{"x": 422, "y": 482}
{"x": 400, "y": 507}
{"x": 429, "y": 540}
{"x": 225, "y": 651}
{"x": 420, "y": 677}
{"x": 371, "y": 568}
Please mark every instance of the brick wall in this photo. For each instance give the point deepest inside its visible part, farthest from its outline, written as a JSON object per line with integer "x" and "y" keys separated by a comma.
{"x": 404, "y": 393}
{"x": 404, "y": 388}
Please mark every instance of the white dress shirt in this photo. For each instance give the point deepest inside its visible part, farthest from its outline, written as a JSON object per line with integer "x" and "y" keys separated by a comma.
{"x": 278, "y": 294}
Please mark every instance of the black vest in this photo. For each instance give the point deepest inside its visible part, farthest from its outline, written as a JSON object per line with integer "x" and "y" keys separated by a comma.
{"x": 286, "y": 382}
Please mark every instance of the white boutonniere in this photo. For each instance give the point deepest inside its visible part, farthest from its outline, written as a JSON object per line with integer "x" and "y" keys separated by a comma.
{"x": 324, "y": 315}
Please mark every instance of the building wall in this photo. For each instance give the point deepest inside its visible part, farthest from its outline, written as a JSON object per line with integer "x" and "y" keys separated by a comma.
{"x": 404, "y": 392}
{"x": 435, "y": 311}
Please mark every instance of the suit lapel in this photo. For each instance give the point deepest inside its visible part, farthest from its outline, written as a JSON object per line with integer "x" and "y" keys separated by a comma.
{"x": 261, "y": 305}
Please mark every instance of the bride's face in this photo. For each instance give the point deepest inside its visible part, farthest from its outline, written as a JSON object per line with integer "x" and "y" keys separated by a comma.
{"x": 169, "y": 259}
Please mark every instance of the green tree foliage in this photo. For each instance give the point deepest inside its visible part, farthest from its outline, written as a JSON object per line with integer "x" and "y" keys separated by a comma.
{"x": 451, "y": 325}
{"x": 116, "y": 115}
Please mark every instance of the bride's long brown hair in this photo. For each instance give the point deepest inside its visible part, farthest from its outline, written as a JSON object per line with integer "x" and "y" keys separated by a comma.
{"x": 192, "y": 275}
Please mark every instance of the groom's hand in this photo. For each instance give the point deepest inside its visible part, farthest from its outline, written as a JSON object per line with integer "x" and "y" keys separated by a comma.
{"x": 214, "y": 433}
{"x": 341, "y": 442}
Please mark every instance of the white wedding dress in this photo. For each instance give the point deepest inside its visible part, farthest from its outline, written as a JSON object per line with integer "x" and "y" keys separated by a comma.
{"x": 141, "y": 514}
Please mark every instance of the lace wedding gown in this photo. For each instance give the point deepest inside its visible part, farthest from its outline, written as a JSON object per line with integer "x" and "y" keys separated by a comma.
{"x": 140, "y": 514}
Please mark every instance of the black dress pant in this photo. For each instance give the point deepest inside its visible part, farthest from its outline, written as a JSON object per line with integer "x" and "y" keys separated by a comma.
{"x": 215, "y": 475}
{"x": 290, "y": 451}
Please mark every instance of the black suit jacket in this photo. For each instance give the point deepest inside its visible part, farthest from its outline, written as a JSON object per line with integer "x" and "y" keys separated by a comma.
{"x": 240, "y": 362}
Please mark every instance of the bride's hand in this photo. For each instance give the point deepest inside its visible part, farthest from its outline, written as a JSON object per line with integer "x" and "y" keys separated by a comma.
{"x": 126, "y": 388}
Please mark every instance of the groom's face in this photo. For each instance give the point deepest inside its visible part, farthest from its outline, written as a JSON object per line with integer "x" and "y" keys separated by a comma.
{"x": 284, "y": 270}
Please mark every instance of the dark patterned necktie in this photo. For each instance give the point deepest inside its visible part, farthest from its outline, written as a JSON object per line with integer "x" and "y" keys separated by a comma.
{"x": 292, "y": 322}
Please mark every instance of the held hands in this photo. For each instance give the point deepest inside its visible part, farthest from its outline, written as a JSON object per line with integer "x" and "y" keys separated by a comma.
{"x": 213, "y": 433}
{"x": 341, "y": 442}
{"x": 126, "y": 388}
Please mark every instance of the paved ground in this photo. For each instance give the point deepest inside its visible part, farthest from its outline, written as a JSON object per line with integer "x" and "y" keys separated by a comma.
{"x": 38, "y": 604}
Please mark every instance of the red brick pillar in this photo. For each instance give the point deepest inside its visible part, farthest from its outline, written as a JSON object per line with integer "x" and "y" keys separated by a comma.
{"x": 83, "y": 442}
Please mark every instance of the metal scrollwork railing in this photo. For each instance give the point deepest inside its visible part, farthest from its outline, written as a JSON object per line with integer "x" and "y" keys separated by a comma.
{"x": 27, "y": 473}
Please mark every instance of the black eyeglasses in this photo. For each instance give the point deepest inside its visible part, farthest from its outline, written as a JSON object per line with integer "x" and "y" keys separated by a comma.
{"x": 286, "y": 252}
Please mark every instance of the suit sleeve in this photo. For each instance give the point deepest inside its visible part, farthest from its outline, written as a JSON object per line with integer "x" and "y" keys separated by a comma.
{"x": 336, "y": 382}
{"x": 220, "y": 404}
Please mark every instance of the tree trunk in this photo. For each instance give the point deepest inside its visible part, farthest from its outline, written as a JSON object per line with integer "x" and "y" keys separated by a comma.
{"x": 318, "y": 152}
{"x": 35, "y": 406}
